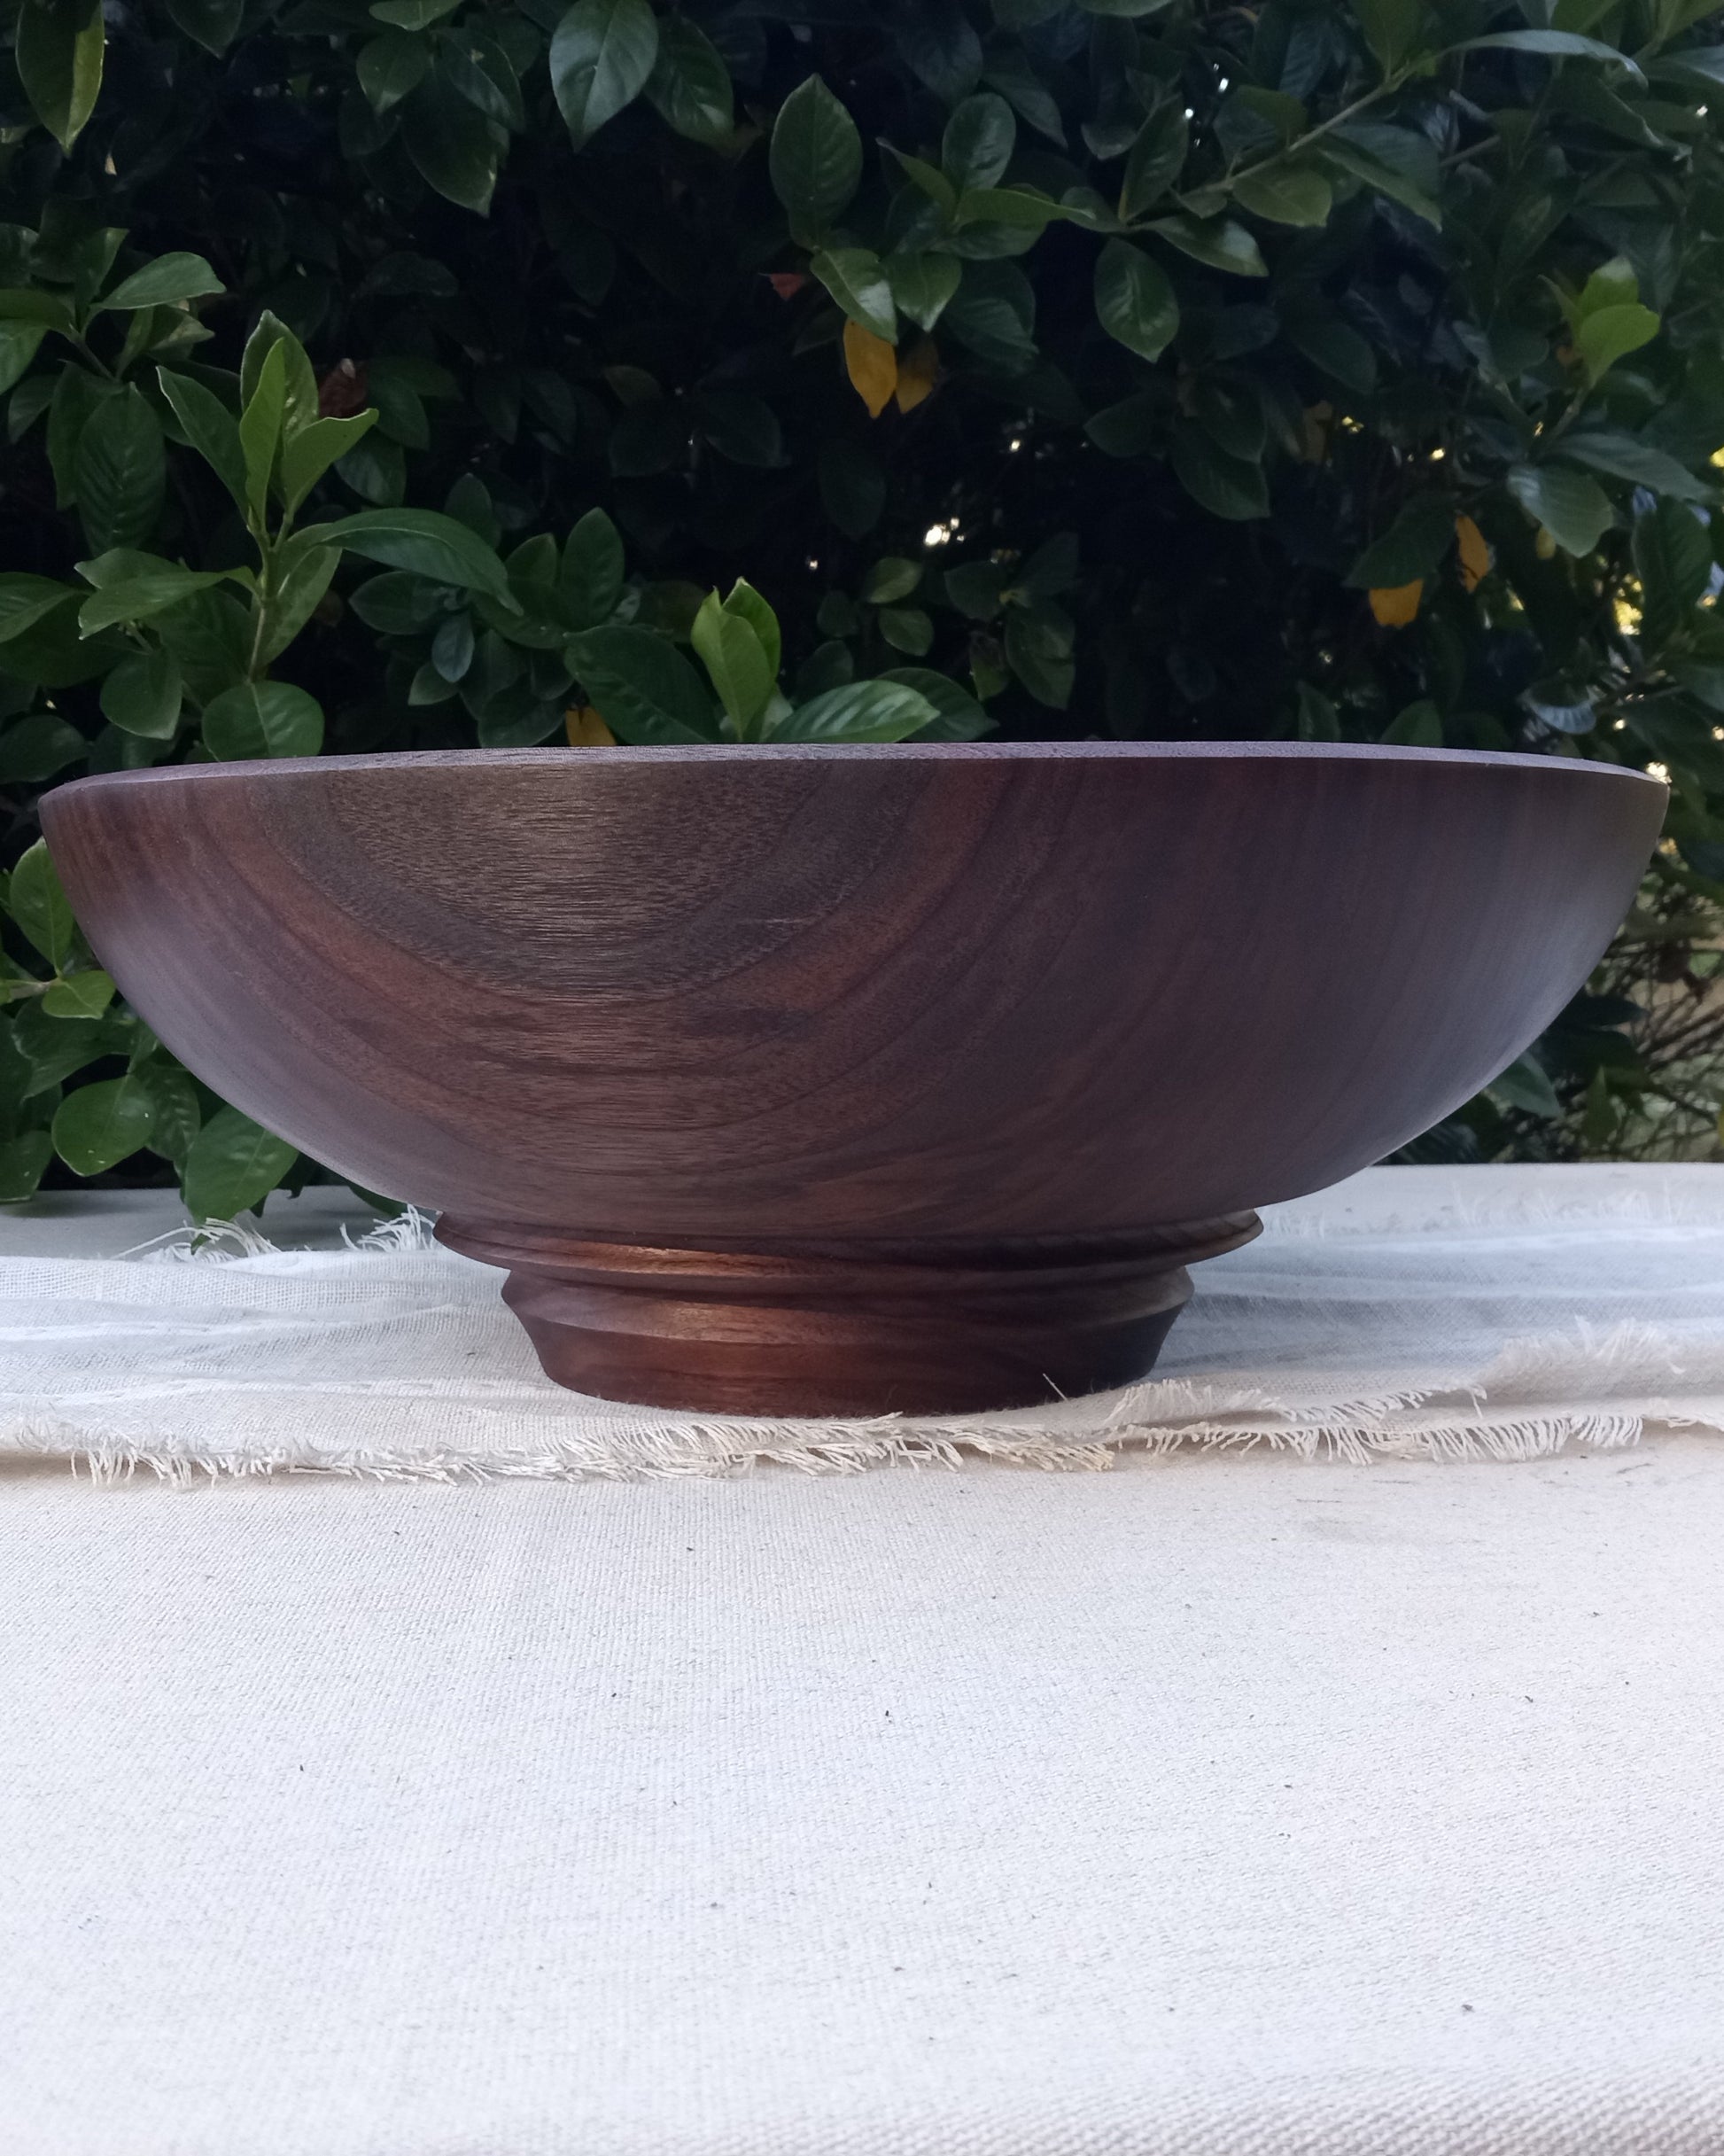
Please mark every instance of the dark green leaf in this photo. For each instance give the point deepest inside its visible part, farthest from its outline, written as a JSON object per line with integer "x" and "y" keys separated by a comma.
{"x": 1381, "y": 176}
{"x": 210, "y": 427}
{"x": 175, "y": 1113}
{"x": 306, "y": 574}
{"x": 98, "y": 1126}
{"x": 309, "y": 454}
{"x": 80, "y": 995}
{"x": 391, "y": 66}
{"x": 59, "y": 52}
{"x": 77, "y": 398}
{"x": 1622, "y": 457}
{"x": 261, "y": 421}
{"x": 858, "y": 711}
{"x": 976, "y": 588}
{"x": 262, "y": 719}
{"x": 22, "y": 1160}
{"x": 602, "y": 56}
{"x": 590, "y": 582}
{"x": 1336, "y": 348}
{"x": 299, "y": 383}
{"x": 456, "y": 149}
{"x": 231, "y": 1165}
{"x": 1392, "y": 28}
{"x": 24, "y": 600}
{"x": 642, "y": 687}
{"x": 19, "y": 341}
{"x": 857, "y": 280}
{"x": 689, "y": 86}
{"x": 1574, "y": 510}
{"x": 1672, "y": 558}
{"x": 1412, "y": 547}
{"x": 1156, "y": 159}
{"x": 1555, "y": 44}
{"x": 211, "y": 636}
{"x": 213, "y": 24}
{"x": 452, "y": 647}
{"x": 396, "y": 604}
{"x": 978, "y": 142}
{"x": 38, "y": 747}
{"x": 132, "y": 587}
{"x": 479, "y": 71}
{"x": 425, "y": 542}
{"x": 56, "y": 1047}
{"x": 1527, "y": 1084}
{"x": 121, "y": 472}
{"x": 1285, "y": 193}
{"x": 959, "y": 717}
{"x": 909, "y": 629}
{"x": 165, "y": 282}
{"x": 993, "y": 314}
{"x": 1225, "y": 485}
{"x": 815, "y": 159}
{"x": 921, "y": 284}
{"x": 939, "y": 43}
{"x": 1134, "y": 299}
{"x": 413, "y": 14}
{"x": 143, "y": 695}
{"x": 1418, "y": 727}
{"x": 1220, "y": 242}
{"x": 893, "y": 577}
{"x": 932, "y": 181}
{"x": 1040, "y": 656}
{"x": 47, "y": 307}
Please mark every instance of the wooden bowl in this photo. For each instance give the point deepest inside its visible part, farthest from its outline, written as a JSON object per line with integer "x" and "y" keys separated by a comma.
{"x": 842, "y": 1080}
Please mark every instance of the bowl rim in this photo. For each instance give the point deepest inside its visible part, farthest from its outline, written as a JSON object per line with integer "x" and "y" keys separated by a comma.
{"x": 557, "y": 756}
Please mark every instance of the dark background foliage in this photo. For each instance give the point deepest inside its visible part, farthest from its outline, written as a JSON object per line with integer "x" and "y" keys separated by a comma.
{"x": 1330, "y": 370}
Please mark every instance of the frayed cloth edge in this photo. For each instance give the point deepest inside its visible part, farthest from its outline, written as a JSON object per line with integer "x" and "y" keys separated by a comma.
{"x": 668, "y": 1450}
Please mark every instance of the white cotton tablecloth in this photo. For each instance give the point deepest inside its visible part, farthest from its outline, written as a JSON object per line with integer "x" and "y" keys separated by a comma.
{"x": 1410, "y": 1312}
{"x": 1228, "y": 1804}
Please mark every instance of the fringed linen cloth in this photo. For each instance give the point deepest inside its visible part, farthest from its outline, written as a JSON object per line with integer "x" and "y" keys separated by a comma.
{"x": 1487, "y": 1312}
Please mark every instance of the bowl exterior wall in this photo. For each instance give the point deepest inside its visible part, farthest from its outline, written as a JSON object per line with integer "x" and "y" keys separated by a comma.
{"x": 712, "y": 997}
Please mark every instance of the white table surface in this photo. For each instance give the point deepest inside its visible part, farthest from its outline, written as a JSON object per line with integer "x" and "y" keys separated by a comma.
{"x": 1218, "y": 1806}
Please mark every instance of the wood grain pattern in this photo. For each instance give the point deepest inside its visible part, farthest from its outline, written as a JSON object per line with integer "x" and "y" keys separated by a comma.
{"x": 942, "y": 1010}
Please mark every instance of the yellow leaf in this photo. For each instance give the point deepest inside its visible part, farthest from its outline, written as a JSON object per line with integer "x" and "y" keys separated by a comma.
{"x": 1475, "y": 553}
{"x": 919, "y": 373}
{"x": 1544, "y": 544}
{"x": 585, "y": 729}
{"x": 874, "y": 367}
{"x": 1395, "y": 605}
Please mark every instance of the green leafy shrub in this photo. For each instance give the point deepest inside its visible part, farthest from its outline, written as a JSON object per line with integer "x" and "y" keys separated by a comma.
{"x": 1333, "y": 370}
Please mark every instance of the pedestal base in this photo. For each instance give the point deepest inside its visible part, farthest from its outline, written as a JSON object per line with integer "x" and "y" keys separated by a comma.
{"x": 856, "y": 1328}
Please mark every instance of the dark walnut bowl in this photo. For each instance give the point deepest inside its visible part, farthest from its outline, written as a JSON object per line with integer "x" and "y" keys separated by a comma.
{"x": 845, "y": 1080}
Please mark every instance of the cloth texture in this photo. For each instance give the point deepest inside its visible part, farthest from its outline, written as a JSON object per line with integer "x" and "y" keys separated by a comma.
{"x": 1238, "y": 1803}
{"x": 1218, "y": 1806}
{"x": 1501, "y": 1312}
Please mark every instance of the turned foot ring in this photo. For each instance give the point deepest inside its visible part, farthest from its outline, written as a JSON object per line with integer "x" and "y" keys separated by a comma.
{"x": 851, "y": 1329}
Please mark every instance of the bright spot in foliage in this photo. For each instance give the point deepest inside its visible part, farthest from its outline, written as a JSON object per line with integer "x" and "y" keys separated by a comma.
{"x": 919, "y": 373}
{"x": 1475, "y": 553}
{"x": 872, "y": 366}
{"x": 586, "y": 730}
{"x": 1395, "y": 605}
